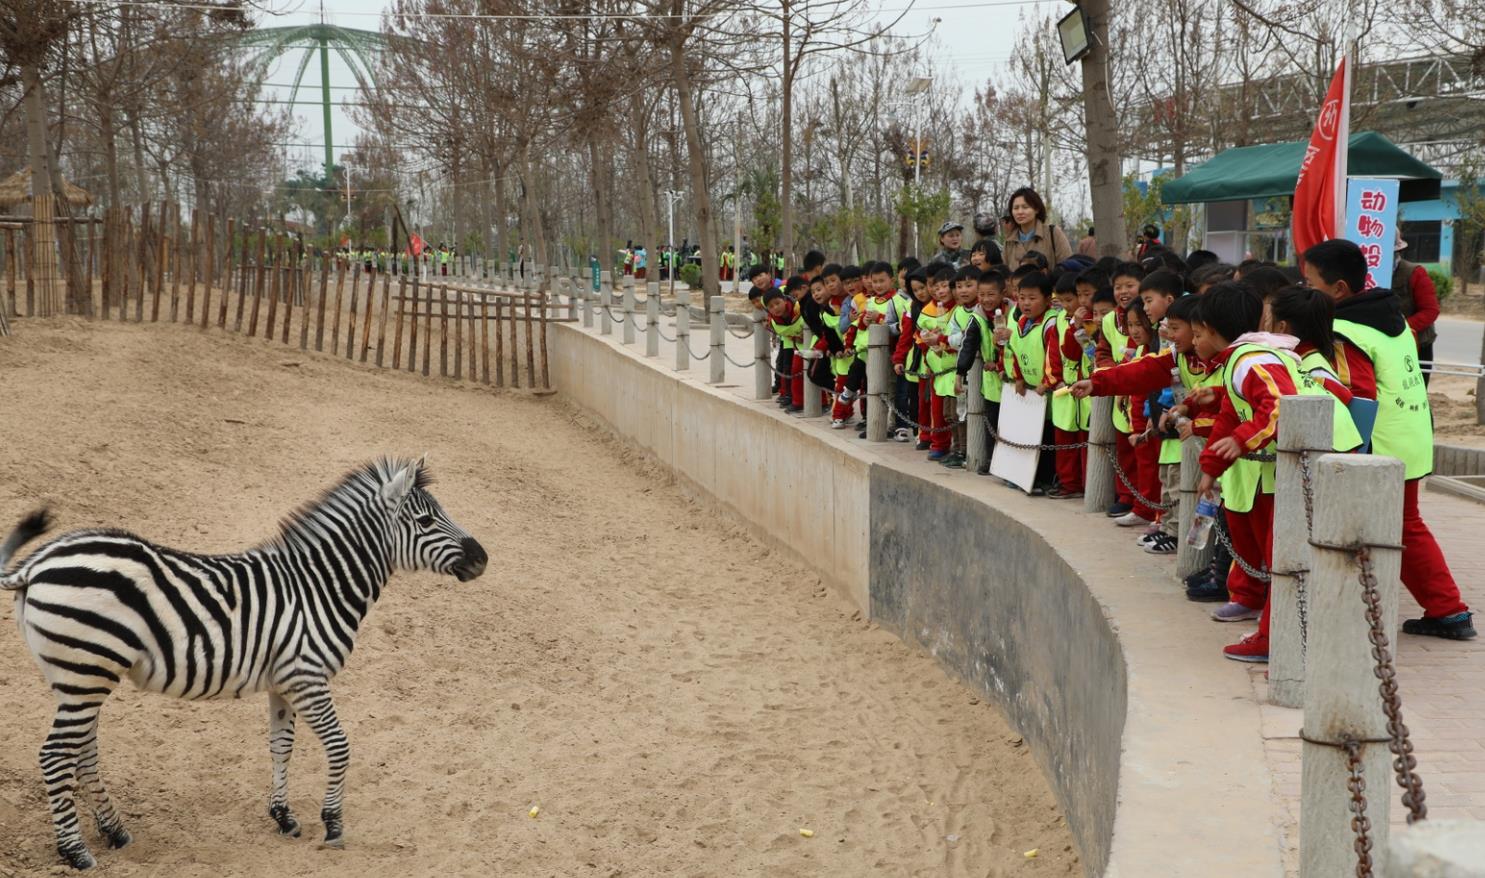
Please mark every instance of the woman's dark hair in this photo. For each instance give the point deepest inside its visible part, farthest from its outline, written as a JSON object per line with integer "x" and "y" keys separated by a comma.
{"x": 1265, "y": 281}
{"x": 1231, "y": 308}
{"x": 1310, "y": 315}
{"x": 1033, "y": 200}
{"x": 1187, "y": 308}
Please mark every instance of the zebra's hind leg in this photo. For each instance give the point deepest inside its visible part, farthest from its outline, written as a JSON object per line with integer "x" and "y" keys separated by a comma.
{"x": 281, "y": 745}
{"x": 110, "y": 825}
{"x": 74, "y": 734}
{"x": 314, "y": 704}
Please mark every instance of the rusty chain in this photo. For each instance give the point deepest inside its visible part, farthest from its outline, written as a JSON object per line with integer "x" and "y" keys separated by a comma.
{"x": 1401, "y": 745}
{"x": 1260, "y": 574}
{"x": 1361, "y": 824}
{"x": 1124, "y": 479}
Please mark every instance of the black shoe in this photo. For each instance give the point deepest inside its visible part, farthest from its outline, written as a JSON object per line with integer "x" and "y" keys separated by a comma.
{"x": 1208, "y": 592}
{"x": 953, "y": 461}
{"x": 982, "y": 470}
{"x": 861, "y": 434}
{"x": 1118, "y": 509}
{"x": 795, "y": 409}
{"x": 1455, "y": 627}
{"x": 923, "y": 446}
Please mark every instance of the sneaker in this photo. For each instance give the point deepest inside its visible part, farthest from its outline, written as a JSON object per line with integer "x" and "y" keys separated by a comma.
{"x": 1118, "y": 509}
{"x": 1145, "y": 539}
{"x": 983, "y": 469}
{"x": 954, "y": 461}
{"x": 796, "y": 409}
{"x": 860, "y": 434}
{"x": 1252, "y": 648}
{"x": 1232, "y": 611}
{"x": 1161, "y": 544}
{"x": 846, "y": 396}
{"x": 1060, "y": 493}
{"x": 838, "y": 424}
{"x": 923, "y": 445}
{"x": 902, "y": 434}
{"x": 1130, "y": 519}
{"x": 1208, "y": 591}
{"x": 1455, "y": 627}
{"x": 937, "y": 455}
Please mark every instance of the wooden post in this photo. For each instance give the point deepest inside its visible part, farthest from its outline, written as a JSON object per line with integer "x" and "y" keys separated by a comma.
{"x": 397, "y": 324}
{"x": 105, "y": 268}
{"x": 411, "y": 303}
{"x": 320, "y": 305}
{"x": 652, "y": 320}
{"x": 1357, "y": 501}
{"x": 814, "y": 405}
{"x": 682, "y": 330}
{"x": 458, "y": 335}
{"x": 88, "y": 269}
{"x": 531, "y": 296}
{"x": 443, "y": 331}
{"x": 1189, "y": 559}
{"x": 515, "y": 357}
{"x": 543, "y": 327}
{"x": 277, "y": 278}
{"x": 1304, "y": 422}
{"x": 350, "y": 335}
{"x": 366, "y": 320}
{"x": 229, "y": 255}
{"x": 195, "y": 260}
{"x": 381, "y": 326}
{"x": 605, "y": 302}
{"x": 339, "y": 305}
{"x": 485, "y": 338}
{"x": 209, "y": 269}
{"x": 306, "y": 284}
{"x": 878, "y": 379}
{"x": 161, "y": 243}
{"x": 628, "y": 313}
{"x": 976, "y": 434}
{"x": 1098, "y": 487}
{"x": 717, "y": 323}
{"x": 175, "y": 263}
{"x": 499, "y": 344}
{"x": 291, "y": 291}
{"x": 259, "y": 282}
{"x": 10, "y": 256}
{"x": 427, "y": 328}
{"x": 467, "y": 303}
{"x": 141, "y": 264}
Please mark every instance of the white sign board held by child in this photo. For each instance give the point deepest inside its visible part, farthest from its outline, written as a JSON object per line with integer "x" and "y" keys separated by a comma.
{"x": 1021, "y": 420}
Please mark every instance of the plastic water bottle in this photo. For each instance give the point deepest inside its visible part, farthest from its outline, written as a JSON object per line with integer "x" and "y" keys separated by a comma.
{"x": 1207, "y": 507}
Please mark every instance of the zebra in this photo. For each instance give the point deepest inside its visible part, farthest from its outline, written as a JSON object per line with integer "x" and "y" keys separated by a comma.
{"x": 95, "y": 606}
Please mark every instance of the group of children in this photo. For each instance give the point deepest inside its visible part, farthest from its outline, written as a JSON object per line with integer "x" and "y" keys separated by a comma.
{"x": 1186, "y": 347}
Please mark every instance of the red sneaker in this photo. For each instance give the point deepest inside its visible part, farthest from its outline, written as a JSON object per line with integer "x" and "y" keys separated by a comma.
{"x": 1253, "y": 648}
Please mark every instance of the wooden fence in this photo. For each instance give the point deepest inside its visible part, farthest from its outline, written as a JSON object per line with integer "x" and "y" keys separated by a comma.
{"x": 150, "y": 266}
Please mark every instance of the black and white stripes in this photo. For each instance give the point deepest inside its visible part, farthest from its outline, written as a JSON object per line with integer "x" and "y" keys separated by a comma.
{"x": 98, "y": 606}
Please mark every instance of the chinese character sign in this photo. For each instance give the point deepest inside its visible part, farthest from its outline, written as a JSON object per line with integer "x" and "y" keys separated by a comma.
{"x": 1371, "y": 221}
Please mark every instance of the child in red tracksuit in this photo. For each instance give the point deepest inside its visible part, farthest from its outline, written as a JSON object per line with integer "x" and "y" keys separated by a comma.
{"x": 1064, "y": 365}
{"x": 906, "y": 357}
{"x": 1113, "y": 342}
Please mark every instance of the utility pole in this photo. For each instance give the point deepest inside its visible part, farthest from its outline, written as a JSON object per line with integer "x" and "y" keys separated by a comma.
{"x": 671, "y": 197}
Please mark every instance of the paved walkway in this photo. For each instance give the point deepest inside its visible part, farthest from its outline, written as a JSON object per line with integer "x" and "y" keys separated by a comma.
{"x": 1442, "y": 683}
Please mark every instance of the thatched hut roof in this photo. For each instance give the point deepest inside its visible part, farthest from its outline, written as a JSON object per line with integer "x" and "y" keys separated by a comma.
{"x": 15, "y": 191}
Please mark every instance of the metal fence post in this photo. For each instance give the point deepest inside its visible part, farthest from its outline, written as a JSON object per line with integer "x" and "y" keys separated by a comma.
{"x": 628, "y": 315}
{"x": 717, "y": 319}
{"x": 878, "y": 382}
{"x": 1098, "y": 487}
{"x": 762, "y": 369}
{"x": 1358, "y": 502}
{"x": 652, "y": 320}
{"x": 814, "y": 405}
{"x": 1189, "y": 559}
{"x": 682, "y": 330}
{"x": 1304, "y": 422}
{"x": 976, "y": 436}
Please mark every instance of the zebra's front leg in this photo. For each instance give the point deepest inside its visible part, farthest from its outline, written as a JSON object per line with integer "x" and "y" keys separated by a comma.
{"x": 314, "y": 704}
{"x": 281, "y": 745}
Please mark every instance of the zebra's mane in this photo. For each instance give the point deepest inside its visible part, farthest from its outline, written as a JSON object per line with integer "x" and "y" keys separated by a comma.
{"x": 305, "y": 525}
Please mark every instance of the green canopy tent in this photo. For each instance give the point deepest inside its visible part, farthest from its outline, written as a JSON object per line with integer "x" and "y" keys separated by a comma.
{"x": 1271, "y": 169}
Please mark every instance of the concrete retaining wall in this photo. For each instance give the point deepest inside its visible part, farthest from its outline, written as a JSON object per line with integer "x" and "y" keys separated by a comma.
{"x": 1151, "y": 743}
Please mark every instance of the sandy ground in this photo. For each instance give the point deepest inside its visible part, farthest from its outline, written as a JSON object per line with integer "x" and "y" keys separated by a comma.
{"x": 676, "y": 697}
{"x": 1452, "y": 398}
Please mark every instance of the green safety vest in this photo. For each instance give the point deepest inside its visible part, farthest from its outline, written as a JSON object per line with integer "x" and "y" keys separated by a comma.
{"x": 1404, "y": 427}
{"x": 789, "y": 333}
{"x": 934, "y": 362}
{"x": 1065, "y": 408}
{"x": 1118, "y": 341}
{"x": 1030, "y": 352}
{"x": 863, "y": 338}
{"x": 990, "y": 381}
{"x": 1344, "y": 435}
{"x": 841, "y": 365}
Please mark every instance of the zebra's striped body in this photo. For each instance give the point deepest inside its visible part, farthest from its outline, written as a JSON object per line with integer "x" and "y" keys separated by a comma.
{"x": 98, "y": 606}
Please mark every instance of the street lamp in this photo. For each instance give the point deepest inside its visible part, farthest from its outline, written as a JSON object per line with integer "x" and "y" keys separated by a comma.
{"x": 671, "y": 197}
{"x": 917, "y": 85}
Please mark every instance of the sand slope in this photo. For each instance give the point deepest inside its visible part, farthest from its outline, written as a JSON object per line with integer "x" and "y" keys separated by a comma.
{"x": 678, "y": 698}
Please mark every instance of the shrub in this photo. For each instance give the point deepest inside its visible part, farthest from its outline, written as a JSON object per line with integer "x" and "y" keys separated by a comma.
{"x": 1442, "y": 283}
{"x": 690, "y": 275}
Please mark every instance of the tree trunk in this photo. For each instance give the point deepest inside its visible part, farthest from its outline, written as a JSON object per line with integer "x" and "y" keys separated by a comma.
{"x": 701, "y": 199}
{"x": 43, "y": 232}
{"x": 600, "y": 156}
{"x": 532, "y": 212}
{"x": 786, "y": 149}
{"x": 1105, "y": 182}
{"x": 649, "y": 219}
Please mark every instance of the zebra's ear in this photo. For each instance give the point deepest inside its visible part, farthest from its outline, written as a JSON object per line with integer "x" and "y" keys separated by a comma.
{"x": 397, "y": 488}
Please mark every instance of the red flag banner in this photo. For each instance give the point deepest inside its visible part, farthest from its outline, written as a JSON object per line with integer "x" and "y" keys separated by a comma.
{"x": 1320, "y": 191}
{"x": 418, "y": 244}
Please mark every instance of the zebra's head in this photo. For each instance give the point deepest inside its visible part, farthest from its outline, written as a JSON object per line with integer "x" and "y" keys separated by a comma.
{"x": 423, "y": 535}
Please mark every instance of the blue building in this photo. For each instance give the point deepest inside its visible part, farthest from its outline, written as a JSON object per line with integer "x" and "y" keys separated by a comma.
{"x": 1429, "y": 228}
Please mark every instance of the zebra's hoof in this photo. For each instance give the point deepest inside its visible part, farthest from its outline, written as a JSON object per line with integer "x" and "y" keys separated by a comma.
{"x": 287, "y": 825}
{"x": 338, "y": 842}
{"x": 334, "y": 829}
{"x": 118, "y": 838}
{"x": 77, "y": 857}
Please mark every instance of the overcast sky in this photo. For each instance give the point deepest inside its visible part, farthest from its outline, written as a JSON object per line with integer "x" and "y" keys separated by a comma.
{"x": 976, "y": 36}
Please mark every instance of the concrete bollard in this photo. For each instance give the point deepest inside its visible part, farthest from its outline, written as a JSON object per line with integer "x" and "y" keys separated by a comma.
{"x": 717, "y": 319}
{"x": 628, "y": 315}
{"x": 652, "y": 320}
{"x": 1437, "y": 849}
{"x": 682, "y": 330}
{"x": 572, "y": 294}
{"x": 1358, "y": 501}
{"x": 605, "y": 303}
{"x": 1304, "y": 422}
{"x": 1189, "y": 559}
{"x": 976, "y": 437}
{"x": 587, "y": 308}
{"x": 762, "y": 374}
{"x": 814, "y": 405}
{"x": 878, "y": 382}
{"x": 1098, "y": 487}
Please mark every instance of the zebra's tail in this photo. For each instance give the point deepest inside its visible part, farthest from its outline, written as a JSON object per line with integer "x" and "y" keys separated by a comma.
{"x": 30, "y": 527}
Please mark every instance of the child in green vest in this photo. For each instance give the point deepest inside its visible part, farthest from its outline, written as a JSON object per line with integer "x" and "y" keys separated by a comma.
{"x": 1113, "y": 348}
{"x": 961, "y": 318}
{"x": 982, "y": 345}
{"x": 938, "y": 360}
{"x": 907, "y": 359}
{"x": 1026, "y": 359}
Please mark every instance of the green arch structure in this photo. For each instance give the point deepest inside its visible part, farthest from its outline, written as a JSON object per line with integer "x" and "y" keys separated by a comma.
{"x": 355, "y": 47}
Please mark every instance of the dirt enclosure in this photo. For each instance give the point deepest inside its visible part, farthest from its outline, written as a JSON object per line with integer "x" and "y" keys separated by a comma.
{"x": 676, "y": 697}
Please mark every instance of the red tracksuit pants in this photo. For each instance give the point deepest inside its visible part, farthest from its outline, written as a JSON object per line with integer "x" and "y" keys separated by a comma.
{"x": 1070, "y": 463}
{"x": 1252, "y": 535}
{"x": 941, "y": 439}
{"x": 796, "y": 380}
